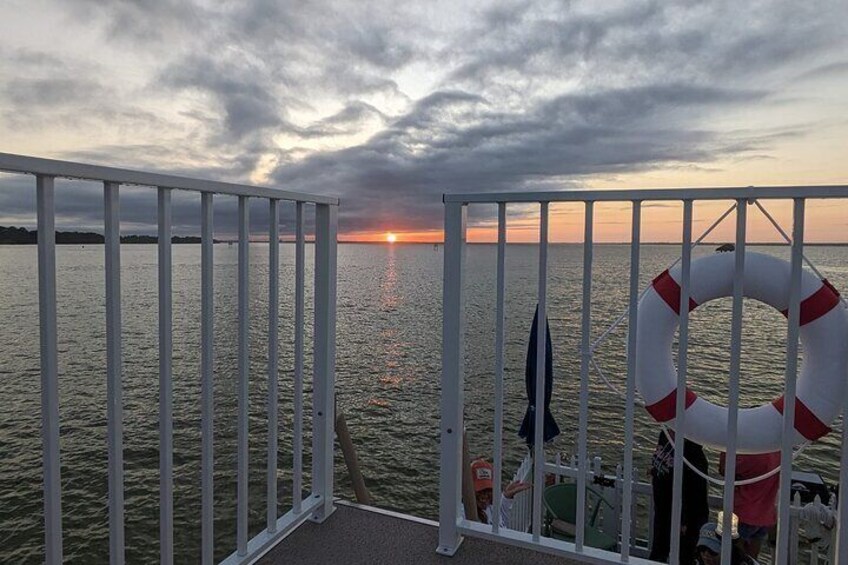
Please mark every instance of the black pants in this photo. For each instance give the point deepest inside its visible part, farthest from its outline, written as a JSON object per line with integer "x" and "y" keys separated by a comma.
{"x": 661, "y": 545}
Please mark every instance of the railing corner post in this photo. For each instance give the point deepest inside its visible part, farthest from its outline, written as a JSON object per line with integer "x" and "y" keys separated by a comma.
{"x": 324, "y": 369}
{"x": 49, "y": 369}
{"x": 451, "y": 405}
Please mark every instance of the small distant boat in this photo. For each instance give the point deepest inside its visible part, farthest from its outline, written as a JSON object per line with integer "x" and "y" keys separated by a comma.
{"x": 726, "y": 248}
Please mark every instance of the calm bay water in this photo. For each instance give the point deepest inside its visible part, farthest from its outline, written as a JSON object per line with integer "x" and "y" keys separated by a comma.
{"x": 388, "y": 371}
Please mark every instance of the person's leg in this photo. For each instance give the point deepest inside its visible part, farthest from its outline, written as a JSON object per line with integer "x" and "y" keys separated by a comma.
{"x": 689, "y": 536}
{"x": 689, "y": 542}
{"x": 753, "y": 546}
{"x": 660, "y": 544}
{"x": 752, "y": 538}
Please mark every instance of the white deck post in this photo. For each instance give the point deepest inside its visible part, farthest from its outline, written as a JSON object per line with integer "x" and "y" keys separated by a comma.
{"x": 114, "y": 401}
{"x": 243, "y": 374}
{"x": 499, "y": 365}
{"x": 324, "y": 347}
{"x": 49, "y": 370}
{"x": 735, "y": 360}
{"x": 585, "y": 358}
{"x": 680, "y": 401}
{"x": 633, "y": 304}
{"x": 539, "y": 401}
{"x": 207, "y": 401}
{"x": 297, "y": 439}
{"x": 273, "y": 356}
{"x": 166, "y": 424}
{"x": 453, "y": 366}
{"x": 784, "y": 527}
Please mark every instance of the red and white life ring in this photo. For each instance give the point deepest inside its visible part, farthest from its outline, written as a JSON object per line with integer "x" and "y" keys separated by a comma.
{"x": 824, "y": 338}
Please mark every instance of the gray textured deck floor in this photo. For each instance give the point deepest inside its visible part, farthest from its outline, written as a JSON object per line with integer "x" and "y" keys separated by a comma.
{"x": 354, "y": 536}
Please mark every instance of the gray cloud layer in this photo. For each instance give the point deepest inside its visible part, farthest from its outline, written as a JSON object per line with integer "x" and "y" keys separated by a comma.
{"x": 445, "y": 97}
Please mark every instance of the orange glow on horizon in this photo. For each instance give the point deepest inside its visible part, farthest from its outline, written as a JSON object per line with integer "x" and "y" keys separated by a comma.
{"x": 430, "y": 236}
{"x": 661, "y": 222}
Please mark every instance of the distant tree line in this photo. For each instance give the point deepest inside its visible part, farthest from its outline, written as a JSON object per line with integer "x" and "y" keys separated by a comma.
{"x": 21, "y": 236}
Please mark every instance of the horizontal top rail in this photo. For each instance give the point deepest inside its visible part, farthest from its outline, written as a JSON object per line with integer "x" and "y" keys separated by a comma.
{"x": 12, "y": 163}
{"x": 632, "y": 194}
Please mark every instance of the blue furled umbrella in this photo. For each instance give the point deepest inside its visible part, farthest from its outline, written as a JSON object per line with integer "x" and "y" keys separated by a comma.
{"x": 528, "y": 426}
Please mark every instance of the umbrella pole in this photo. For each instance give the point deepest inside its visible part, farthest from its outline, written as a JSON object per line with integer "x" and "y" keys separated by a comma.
{"x": 532, "y": 452}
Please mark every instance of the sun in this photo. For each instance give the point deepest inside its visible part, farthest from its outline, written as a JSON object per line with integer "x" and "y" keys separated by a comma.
{"x": 391, "y": 238}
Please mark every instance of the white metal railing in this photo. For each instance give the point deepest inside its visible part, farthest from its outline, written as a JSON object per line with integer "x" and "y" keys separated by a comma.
{"x": 319, "y": 504}
{"x": 452, "y": 523}
{"x": 612, "y": 520}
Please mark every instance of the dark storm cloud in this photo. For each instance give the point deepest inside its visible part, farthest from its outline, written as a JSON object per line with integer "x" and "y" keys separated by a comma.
{"x": 246, "y": 98}
{"x": 368, "y": 34}
{"x": 644, "y": 41}
{"x": 52, "y": 91}
{"x": 346, "y": 121}
{"x": 143, "y": 20}
{"x": 43, "y": 94}
{"x": 47, "y": 86}
{"x": 424, "y": 153}
{"x": 676, "y": 53}
{"x": 829, "y": 70}
{"x": 527, "y": 95}
{"x": 514, "y": 38}
{"x": 79, "y": 206}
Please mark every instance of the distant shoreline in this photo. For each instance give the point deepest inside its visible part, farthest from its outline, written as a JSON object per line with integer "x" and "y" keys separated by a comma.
{"x": 22, "y": 236}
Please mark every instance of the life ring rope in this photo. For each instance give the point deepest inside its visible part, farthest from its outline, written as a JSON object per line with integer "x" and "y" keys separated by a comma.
{"x": 721, "y": 482}
{"x": 816, "y": 305}
{"x": 813, "y": 307}
{"x": 623, "y": 315}
{"x": 788, "y": 240}
{"x": 618, "y": 321}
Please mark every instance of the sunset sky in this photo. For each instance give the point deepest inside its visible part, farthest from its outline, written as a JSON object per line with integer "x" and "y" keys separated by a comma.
{"x": 390, "y": 104}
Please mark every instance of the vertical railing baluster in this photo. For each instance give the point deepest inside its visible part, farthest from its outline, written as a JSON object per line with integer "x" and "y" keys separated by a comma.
{"x": 680, "y": 404}
{"x": 273, "y": 350}
{"x": 499, "y": 365}
{"x": 633, "y": 305}
{"x": 320, "y": 505}
{"x": 782, "y": 549}
{"x": 651, "y": 532}
{"x": 300, "y": 281}
{"x": 243, "y": 371}
{"x": 453, "y": 367}
{"x": 49, "y": 370}
{"x": 735, "y": 361}
{"x": 324, "y": 366}
{"x": 839, "y": 545}
{"x": 207, "y": 406}
{"x": 539, "y": 401}
{"x": 114, "y": 396}
{"x": 166, "y": 425}
{"x": 585, "y": 359}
